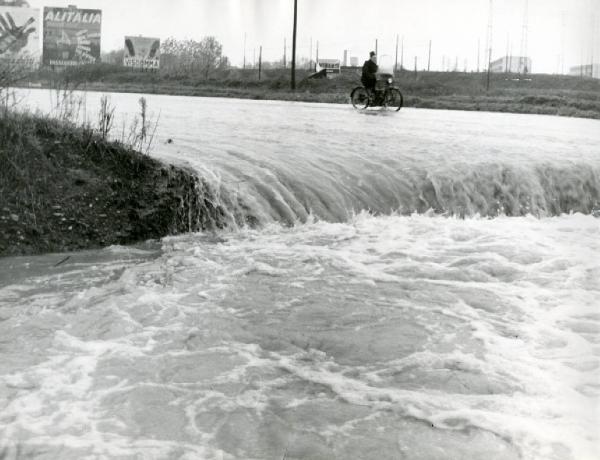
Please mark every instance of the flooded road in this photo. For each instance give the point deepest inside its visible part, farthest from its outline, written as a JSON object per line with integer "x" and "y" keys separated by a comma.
{"x": 419, "y": 285}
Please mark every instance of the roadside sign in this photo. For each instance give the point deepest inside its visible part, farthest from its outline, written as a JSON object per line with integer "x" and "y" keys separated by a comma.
{"x": 20, "y": 35}
{"x": 71, "y": 36}
{"x": 331, "y": 67}
{"x": 142, "y": 53}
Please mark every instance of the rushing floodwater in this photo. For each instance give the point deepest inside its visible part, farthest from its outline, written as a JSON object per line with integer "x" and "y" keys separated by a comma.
{"x": 420, "y": 285}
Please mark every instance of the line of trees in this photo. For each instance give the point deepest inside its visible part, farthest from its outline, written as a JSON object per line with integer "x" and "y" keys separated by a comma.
{"x": 193, "y": 57}
{"x": 184, "y": 57}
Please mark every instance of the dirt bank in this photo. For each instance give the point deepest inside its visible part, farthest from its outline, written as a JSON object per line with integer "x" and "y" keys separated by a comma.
{"x": 64, "y": 188}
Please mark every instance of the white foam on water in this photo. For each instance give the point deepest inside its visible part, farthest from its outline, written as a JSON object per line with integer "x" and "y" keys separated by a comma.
{"x": 462, "y": 326}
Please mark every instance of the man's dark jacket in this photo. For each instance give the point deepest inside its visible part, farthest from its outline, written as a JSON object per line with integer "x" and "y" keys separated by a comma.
{"x": 369, "y": 73}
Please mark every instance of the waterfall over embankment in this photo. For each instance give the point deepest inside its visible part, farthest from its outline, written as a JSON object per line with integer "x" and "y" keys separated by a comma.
{"x": 485, "y": 189}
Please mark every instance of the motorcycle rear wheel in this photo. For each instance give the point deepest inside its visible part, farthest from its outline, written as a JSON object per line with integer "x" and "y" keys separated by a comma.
{"x": 394, "y": 99}
{"x": 359, "y": 98}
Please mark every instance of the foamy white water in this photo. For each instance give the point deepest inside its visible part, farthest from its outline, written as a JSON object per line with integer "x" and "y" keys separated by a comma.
{"x": 369, "y": 336}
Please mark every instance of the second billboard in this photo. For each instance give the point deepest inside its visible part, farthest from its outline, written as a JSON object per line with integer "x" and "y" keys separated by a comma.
{"x": 142, "y": 53}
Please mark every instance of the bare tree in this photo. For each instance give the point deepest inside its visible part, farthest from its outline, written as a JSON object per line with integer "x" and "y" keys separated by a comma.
{"x": 210, "y": 54}
{"x": 113, "y": 57}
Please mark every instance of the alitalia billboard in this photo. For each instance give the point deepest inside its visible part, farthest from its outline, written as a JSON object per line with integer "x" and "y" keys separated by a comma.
{"x": 20, "y": 35}
{"x": 71, "y": 36}
{"x": 142, "y": 53}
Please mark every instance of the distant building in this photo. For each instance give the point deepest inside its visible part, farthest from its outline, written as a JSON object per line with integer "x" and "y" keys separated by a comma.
{"x": 512, "y": 64}
{"x": 345, "y": 63}
{"x": 330, "y": 66}
{"x": 354, "y": 61}
{"x": 588, "y": 70}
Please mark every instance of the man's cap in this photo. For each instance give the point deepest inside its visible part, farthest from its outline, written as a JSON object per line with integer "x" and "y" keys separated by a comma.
{"x": 372, "y": 53}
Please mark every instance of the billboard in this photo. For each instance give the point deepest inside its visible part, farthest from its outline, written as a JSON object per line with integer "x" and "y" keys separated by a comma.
{"x": 142, "y": 53}
{"x": 20, "y": 35}
{"x": 331, "y": 67}
{"x": 71, "y": 36}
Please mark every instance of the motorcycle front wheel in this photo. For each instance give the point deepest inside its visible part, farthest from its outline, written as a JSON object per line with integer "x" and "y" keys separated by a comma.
{"x": 394, "y": 99}
{"x": 359, "y": 98}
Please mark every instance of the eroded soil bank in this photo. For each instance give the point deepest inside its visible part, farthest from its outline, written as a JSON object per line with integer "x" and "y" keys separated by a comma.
{"x": 64, "y": 188}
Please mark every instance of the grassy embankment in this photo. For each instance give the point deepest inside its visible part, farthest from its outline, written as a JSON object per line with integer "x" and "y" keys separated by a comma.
{"x": 63, "y": 187}
{"x": 544, "y": 94}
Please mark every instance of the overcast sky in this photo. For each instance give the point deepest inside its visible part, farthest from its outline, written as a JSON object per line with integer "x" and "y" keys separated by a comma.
{"x": 556, "y": 28}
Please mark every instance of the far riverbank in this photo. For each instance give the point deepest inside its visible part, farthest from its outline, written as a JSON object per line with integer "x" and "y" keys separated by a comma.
{"x": 535, "y": 94}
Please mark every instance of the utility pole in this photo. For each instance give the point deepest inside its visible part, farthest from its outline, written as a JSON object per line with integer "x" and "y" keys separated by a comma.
{"x": 376, "y": 48}
{"x": 317, "y": 56}
{"x": 402, "y": 54}
{"x": 429, "y": 57}
{"x": 310, "y": 56}
{"x": 294, "y": 45}
{"x": 396, "y": 61}
{"x": 244, "y": 50}
{"x": 506, "y": 68}
{"x": 284, "y": 51}
{"x": 416, "y": 68}
{"x": 260, "y": 62}
{"x": 254, "y": 58}
{"x": 489, "y": 44}
{"x": 478, "y": 52}
{"x": 592, "y": 46}
{"x": 523, "y": 57}
{"x": 563, "y": 23}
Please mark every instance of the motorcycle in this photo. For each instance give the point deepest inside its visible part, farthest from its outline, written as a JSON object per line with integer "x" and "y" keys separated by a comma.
{"x": 385, "y": 95}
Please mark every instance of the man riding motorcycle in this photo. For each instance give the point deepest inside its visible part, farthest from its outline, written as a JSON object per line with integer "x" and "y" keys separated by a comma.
{"x": 369, "y": 73}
